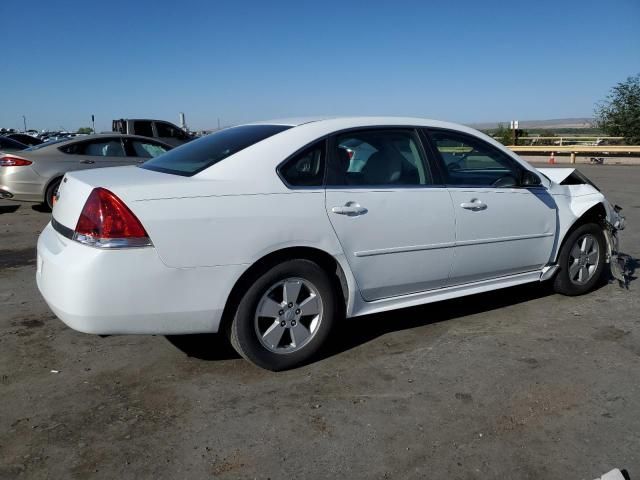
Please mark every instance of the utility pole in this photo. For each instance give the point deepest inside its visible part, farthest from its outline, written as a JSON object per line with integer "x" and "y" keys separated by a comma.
{"x": 24, "y": 120}
{"x": 218, "y": 124}
{"x": 514, "y": 127}
{"x": 93, "y": 123}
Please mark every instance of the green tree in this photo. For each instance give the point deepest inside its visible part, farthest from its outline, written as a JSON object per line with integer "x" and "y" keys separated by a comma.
{"x": 504, "y": 134}
{"x": 619, "y": 114}
{"x": 85, "y": 130}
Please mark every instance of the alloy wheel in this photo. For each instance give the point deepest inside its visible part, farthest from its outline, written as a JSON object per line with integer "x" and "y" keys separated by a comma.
{"x": 583, "y": 259}
{"x": 288, "y": 315}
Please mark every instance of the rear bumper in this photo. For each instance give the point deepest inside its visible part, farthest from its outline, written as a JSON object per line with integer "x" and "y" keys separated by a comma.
{"x": 22, "y": 183}
{"x": 129, "y": 290}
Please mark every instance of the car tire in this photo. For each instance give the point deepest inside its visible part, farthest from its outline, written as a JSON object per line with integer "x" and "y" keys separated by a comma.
{"x": 581, "y": 260}
{"x": 50, "y": 193}
{"x": 278, "y": 333}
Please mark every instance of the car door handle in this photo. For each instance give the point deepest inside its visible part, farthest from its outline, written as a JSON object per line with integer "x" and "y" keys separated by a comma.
{"x": 351, "y": 209}
{"x": 474, "y": 205}
{"x": 87, "y": 161}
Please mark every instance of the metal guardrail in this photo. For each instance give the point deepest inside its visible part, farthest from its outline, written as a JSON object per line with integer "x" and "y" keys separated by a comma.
{"x": 574, "y": 150}
{"x": 602, "y": 149}
{"x": 593, "y": 140}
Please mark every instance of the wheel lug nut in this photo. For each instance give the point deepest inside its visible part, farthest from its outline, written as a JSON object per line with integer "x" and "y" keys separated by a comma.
{"x": 298, "y": 311}
{"x": 281, "y": 312}
{"x": 290, "y": 305}
{"x": 293, "y": 323}
{"x": 283, "y": 323}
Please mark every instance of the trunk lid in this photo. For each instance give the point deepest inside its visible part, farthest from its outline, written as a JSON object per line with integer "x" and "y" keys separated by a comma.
{"x": 130, "y": 184}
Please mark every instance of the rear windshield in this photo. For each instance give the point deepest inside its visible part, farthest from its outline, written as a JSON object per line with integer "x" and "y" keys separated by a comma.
{"x": 195, "y": 156}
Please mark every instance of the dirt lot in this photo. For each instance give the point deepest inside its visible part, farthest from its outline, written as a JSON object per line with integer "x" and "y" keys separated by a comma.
{"x": 519, "y": 383}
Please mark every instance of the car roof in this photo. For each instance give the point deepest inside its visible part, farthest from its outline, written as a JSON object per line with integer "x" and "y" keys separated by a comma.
{"x": 339, "y": 122}
{"x": 84, "y": 138}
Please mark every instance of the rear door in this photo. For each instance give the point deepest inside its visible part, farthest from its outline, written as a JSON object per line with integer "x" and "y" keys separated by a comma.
{"x": 394, "y": 220}
{"x": 98, "y": 152}
{"x": 502, "y": 228}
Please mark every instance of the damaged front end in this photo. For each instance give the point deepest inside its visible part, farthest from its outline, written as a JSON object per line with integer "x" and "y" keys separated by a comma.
{"x": 618, "y": 262}
{"x": 582, "y": 199}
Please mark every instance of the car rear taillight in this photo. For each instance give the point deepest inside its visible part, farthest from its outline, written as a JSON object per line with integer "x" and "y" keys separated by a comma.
{"x": 106, "y": 222}
{"x": 10, "y": 161}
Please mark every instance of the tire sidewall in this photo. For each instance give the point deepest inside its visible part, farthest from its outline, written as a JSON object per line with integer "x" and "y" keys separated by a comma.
{"x": 51, "y": 189}
{"x": 563, "y": 283}
{"x": 243, "y": 328}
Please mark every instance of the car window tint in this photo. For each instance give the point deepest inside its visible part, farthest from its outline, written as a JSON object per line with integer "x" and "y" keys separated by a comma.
{"x": 378, "y": 157}
{"x": 165, "y": 130}
{"x": 102, "y": 148}
{"x": 11, "y": 144}
{"x": 195, "y": 156}
{"x": 142, "y": 128}
{"x": 470, "y": 161}
{"x": 305, "y": 169}
{"x": 147, "y": 150}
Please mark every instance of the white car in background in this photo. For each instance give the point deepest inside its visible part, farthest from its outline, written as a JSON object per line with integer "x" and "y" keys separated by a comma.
{"x": 272, "y": 232}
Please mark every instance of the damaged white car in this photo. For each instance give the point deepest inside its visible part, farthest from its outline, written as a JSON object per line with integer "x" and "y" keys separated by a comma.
{"x": 273, "y": 232}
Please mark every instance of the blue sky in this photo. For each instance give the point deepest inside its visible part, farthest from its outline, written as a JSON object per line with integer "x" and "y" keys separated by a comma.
{"x": 241, "y": 61}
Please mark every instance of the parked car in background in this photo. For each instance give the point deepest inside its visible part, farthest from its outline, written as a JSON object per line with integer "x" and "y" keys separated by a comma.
{"x": 28, "y": 140}
{"x": 164, "y": 131}
{"x": 273, "y": 232}
{"x": 10, "y": 145}
{"x": 33, "y": 174}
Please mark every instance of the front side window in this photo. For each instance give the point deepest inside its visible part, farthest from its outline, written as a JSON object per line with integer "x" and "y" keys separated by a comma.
{"x": 197, "y": 155}
{"x": 143, "y": 128}
{"x": 471, "y": 161}
{"x": 378, "y": 157}
{"x": 166, "y": 130}
{"x": 306, "y": 169}
{"x": 146, "y": 149}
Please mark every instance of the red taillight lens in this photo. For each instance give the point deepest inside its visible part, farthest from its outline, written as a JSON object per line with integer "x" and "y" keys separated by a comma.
{"x": 9, "y": 161}
{"x": 107, "y": 222}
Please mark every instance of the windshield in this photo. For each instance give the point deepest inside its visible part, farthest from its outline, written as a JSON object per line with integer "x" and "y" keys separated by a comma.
{"x": 195, "y": 156}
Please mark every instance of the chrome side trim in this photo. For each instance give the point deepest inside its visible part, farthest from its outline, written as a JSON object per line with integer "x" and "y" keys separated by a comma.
{"x": 434, "y": 246}
{"x": 503, "y": 239}
{"x": 411, "y": 248}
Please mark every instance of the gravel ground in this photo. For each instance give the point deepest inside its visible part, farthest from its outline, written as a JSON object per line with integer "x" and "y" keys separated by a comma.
{"x": 519, "y": 383}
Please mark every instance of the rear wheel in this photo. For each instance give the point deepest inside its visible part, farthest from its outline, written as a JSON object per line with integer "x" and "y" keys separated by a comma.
{"x": 51, "y": 192}
{"x": 581, "y": 260}
{"x": 285, "y": 316}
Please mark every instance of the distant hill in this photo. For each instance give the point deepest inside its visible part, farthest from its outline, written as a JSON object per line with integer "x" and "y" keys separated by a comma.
{"x": 546, "y": 124}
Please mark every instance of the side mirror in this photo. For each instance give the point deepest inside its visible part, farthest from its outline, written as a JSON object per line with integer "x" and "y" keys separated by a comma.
{"x": 530, "y": 179}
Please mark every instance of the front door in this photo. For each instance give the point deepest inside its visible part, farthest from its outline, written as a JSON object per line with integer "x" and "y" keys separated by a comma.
{"x": 396, "y": 226}
{"x": 502, "y": 228}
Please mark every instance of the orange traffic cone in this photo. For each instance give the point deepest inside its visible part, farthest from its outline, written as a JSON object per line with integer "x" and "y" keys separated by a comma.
{"x": 552, "y": 159}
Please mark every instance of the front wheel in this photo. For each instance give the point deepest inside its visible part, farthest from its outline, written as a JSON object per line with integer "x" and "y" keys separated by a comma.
{"x": 285, "y": 316}
{"x": 581, "y": 260}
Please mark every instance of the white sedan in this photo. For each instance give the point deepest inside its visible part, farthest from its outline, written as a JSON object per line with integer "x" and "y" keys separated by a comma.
{"x": 273, "y": 232}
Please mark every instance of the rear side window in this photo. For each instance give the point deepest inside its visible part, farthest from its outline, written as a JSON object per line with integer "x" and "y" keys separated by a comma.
{"x": 195, "y": 156}
{"x": 377, "y": 158}
{"x": 107, "y": 147}
{"x": 306, "y": 169}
